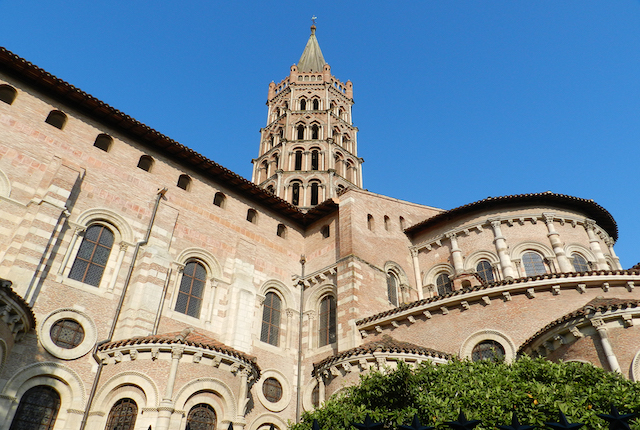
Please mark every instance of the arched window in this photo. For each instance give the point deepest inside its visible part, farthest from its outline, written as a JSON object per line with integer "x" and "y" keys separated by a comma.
{"x": 315, "y": 131}
{"x": 8, "y": 94}
{"x": 282, "y": 231}
{"x": 104, "y": 142}
{"x": 370, "y": 222}
{"x": 387, "y": 223}
{"x": 298, "y": 160}
{"x": 533, "y": 264}
{"x": 327, "y": 321}
{"x": 93, "y": 255}
{"x": 443, "y": 284}
{"x": 191, "y": 291}
{"x": 316, "y": 104}
{"x": 484, "y": 269}
{"x": 56, "y": 119}
{"x": 276, "y": 159}
{"x": 38, "y": 409}
{"x": 145, "y": 163}
{"x": 219, "y": 199}
{"x": 252, "y": 216}
{"x": 295, "y": 193}
{"x": 580, "y": 263}
{"x": 488, "y": 350}
{"x": 184, "y": 182}
{"x": 270, "y": 332}
{"x": 314, "y": 193}
{"x": 315, "y": 159}
{"x": 403, "y": 223}
{"x": 315, "y": 396}
{"x": 201, "y": 417}
{"x": 303, "y": 104}
{"x": 301, "y": 132}
{"x": 122, "y": 415}
{"x": 392, "y": 288}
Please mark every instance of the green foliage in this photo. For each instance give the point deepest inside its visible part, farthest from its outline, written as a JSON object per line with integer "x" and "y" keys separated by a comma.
{"x": 535, "y": 389}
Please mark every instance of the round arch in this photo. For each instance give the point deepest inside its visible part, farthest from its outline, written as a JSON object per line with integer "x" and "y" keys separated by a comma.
{"x": 473, "y": 259}
{"x": 430, "y": 276}
{"x": 143, "y": 382}
{"x": 280, "y": 289}
{"x": 220, "y": 389}
{"x": 312, "y": 301}
{"x": 204, "y": 256}
{"x": 522, "y": 247}
{"x": 110, "y": 217}
{"x": 489, "y": 334}
{"x": 267, "y": 419}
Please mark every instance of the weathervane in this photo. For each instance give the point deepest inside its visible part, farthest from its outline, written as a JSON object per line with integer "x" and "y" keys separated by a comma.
{"x": 313, "y": 19}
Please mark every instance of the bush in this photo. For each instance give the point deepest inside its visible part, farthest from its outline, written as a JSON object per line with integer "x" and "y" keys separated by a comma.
{"x": 536, "y": 389}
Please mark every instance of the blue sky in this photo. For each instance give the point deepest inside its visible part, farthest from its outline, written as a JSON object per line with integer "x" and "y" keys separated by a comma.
{"x": 455, "y": 100}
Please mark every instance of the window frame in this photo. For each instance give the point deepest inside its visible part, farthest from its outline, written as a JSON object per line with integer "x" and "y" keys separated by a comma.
{"x": 541, "y": 264}
{"x": 22, "y": 406}
{"x": 269, "y": 323}
{"x": 104, "y": 227}
{"x": 111, "y": 417}
{"x": 189, "y": 295}
{"x": 327, "y": 321}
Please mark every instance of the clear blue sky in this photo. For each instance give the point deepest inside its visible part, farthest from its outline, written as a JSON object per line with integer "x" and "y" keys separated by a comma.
{"x": 455, "y": 100}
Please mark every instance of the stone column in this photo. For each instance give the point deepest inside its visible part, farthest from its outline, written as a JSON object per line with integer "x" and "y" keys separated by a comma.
{"x": 456, "y": 253}
{"x": 609, "y": 242}
{"x": 166, "y": 404}
{"x": 311, "y": 316}
{"x": 564, "y": 264}
{"x": 606, "y": 345}
{"x": 242, "y": 396}
{"x": 321, "y": 390}
{"x": 290, "y": 313}
{"x": 501, "y": 248}
{"x": 594, "y": 244}
{"x": 416, "y": 272}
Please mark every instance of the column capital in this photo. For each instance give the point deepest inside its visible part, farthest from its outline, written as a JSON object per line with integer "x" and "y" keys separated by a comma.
{"x": 495, "y": 223}
{"x": 451, "y": 235}
{"x": 548, "y": 218}
{"x": 589, "y": 224}
{"x": 414, "y": 252}
{"x": 598, "y": 323}
{"x": 609, "y": 242}
{"x": 176, "y": 352}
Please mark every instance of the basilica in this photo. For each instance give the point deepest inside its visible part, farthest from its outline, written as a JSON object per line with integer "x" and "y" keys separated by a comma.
{"x": 144, "y": 286}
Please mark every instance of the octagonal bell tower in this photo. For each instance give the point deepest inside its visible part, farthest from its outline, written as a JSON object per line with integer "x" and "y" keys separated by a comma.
{"x": 309, "y": 148}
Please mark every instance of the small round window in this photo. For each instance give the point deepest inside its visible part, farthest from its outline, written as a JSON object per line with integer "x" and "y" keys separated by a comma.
{"x": 488, "y": 350}
{"x": 67, "y": 333}
{"x": 272, "y": 390}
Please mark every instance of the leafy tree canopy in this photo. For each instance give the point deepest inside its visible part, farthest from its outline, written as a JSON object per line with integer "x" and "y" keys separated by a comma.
{"x": 535, "y": 389}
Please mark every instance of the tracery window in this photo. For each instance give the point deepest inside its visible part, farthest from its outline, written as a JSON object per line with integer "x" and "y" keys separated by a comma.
{"x": 484, "y": 269}
{"x": 392, "y": 288}
{"x": 488, "y": 350}
{"x": 533, "y": 264}
{"x": 93, "y": 255}
{"x": 38, "y": 409}
{"x": 327, "y": 334}
{"x": 201, "y": 417}
{"x": 191, "y": 290}
{"x": 580, "y": 263}
{"x": 270, "y": 332}
{"x": 122, "y": 415}
{"x": 443, "y": 284}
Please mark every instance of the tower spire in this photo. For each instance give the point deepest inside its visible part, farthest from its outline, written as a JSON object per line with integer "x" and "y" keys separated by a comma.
{"x": 311, "y": 59}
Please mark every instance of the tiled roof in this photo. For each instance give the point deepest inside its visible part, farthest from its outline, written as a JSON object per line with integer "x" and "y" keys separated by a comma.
{"x": 598, "y": 304}
{"x": 418, "y": 303}
{"x": 191, "y": 339}
{"x": 385, "y": 343}
{"x": 5, "y": 285}
{"x": 98, "y": 110}
{"x": 589, "y": 207}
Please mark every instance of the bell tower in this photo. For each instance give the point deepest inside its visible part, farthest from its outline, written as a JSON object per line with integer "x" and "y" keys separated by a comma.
{"x": 308, "y": 149}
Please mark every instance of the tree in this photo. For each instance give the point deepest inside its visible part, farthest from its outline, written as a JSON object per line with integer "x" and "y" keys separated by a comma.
{"x": 535, "y": 389}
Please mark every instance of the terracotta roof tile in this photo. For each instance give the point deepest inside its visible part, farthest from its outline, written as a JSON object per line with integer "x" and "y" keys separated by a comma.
{"x": 599, "y": 304}
{"x": 191, "y": 339}
{"x": 385, "y": 343}
{"x": 591, "y": 208}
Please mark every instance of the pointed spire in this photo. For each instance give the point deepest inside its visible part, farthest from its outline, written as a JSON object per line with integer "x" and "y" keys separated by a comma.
{"x": 311, "y": 59}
